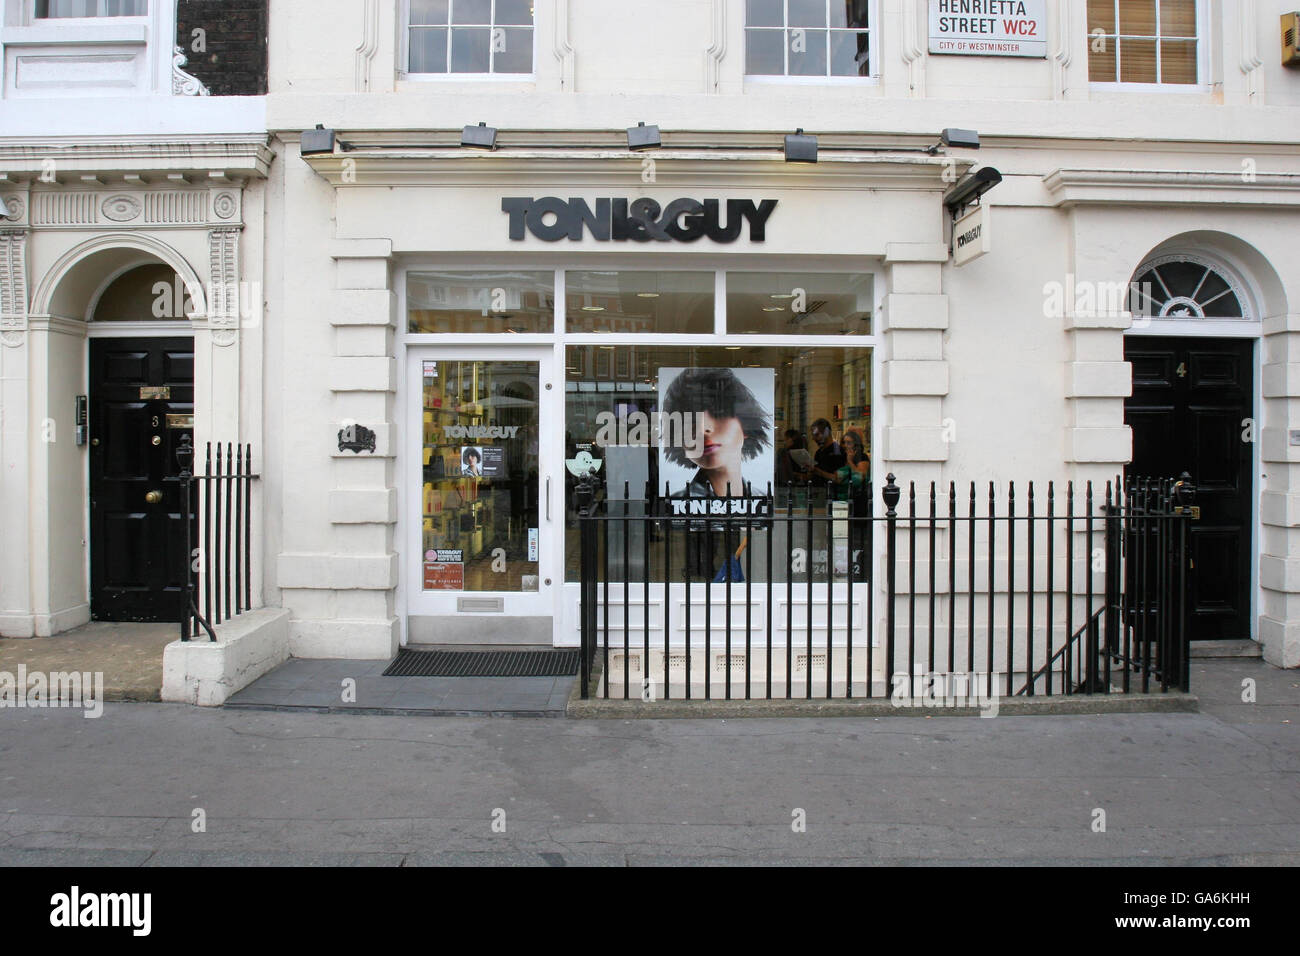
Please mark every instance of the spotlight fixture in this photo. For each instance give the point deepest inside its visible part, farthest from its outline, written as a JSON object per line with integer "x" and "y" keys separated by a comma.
{"x": 641, "y": 137}
{"x": 957, "y": 138}
{"x": 800, "y": 148}
{"x": 314, "y": 141}
{"x": 971, "y": 188}
{"x": 481, "y": 136}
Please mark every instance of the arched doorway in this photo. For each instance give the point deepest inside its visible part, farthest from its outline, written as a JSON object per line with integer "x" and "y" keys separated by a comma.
{"x": 141, "y": 403}
{"x": 1192, "y": 409}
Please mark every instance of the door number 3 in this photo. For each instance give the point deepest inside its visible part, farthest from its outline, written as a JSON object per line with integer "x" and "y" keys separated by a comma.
{"x": 155, "y": 421}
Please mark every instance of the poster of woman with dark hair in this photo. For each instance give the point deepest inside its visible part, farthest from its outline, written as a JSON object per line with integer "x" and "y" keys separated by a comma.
{"x": 716, "y": 437}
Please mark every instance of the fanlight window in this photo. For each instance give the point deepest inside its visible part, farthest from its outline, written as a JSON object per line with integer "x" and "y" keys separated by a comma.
{"x": 1186, "y": 287}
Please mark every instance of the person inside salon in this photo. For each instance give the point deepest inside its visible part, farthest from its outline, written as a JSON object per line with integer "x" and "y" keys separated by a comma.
{"x": 829, "y": 457}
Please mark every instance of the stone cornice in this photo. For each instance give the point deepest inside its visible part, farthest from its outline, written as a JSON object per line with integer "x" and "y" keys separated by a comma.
{"x": 599, "y": 169}
{"x": 1172, "y": 187}
{"x": 243, "y": 157}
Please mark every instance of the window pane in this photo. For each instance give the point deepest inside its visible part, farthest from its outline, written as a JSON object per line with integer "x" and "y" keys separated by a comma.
{"x": 799, "y": 303}
{"x": 480, "y": 301}
{"x": 1102, "y": 65}
{"x": 1101, "y": 16}
{"x": 479, "y": 498}
{"x": 428, "y": 11}
{"x": 1137, "y": 17}
{"x": 764, "y": 13}
{"x": 1178, "y": 61}
{"x": 1178, "y": 18}
{"x": 680, "y": 302}
{"x": 515, "y": 11}
{"x": 514, "y": 53}
{"x": 807, "y": 52}
{"x": 428, "y": 50}
{"x": 807, "y": 13}
{"x": 57, "y": 9}
{"x": 471, "y": 11}
{"x": 849, "y": 13}
{"x": 469, "y": 50}
{"x": 764, "y": 55}
{"x": 849, "y": 54}
{"x": 616, "y": 421}
{"x": 1137, "y": 61}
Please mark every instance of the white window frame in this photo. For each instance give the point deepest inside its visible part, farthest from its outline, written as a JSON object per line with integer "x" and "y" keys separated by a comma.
{"x": 1202, "y": 84}
{"x": 140, "y": 17}
{"x": 873, "y": 54}
{"x": 404, "y": 54}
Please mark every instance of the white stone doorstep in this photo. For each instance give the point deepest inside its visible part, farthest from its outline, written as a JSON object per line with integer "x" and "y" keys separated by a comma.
{"x": 205, "y": 672}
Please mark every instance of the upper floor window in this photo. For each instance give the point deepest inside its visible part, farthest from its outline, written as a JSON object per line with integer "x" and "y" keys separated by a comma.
{"x": 52, "y": 9}
{"x": 470, "y": 36}
{"x": 1143, "y": 41}
{"x": 807, "y": 38}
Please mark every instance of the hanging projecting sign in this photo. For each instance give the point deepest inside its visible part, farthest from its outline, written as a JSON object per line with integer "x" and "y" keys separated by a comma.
{"x": 640, "y": 220}
{"x": 971, "y": 237}
{"x": 989, "y": 27}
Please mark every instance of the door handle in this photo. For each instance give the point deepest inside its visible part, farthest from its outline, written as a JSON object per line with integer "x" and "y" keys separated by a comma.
{"x": 548, "y": 499}
{"x": 153, "y": 497}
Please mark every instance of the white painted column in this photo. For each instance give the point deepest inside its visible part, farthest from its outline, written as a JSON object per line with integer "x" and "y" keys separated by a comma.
{"x": 1279, "y": 550}
{"x": 16, "y": 618}
{"x": 361, "y": 569}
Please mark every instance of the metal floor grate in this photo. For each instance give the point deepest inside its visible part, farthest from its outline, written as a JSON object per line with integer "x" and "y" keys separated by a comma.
{"x": 542, "y": 663}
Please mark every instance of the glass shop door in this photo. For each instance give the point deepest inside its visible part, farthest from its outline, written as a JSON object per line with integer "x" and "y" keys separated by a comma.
{"x": 480, "y": 539}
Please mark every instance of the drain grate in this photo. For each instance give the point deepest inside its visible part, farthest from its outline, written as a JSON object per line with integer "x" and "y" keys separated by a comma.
{"x": 544, "y": 663}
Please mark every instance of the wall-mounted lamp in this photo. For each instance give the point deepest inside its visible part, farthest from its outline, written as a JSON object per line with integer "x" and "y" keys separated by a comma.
{"x": 318, "y": 140}
{"x": 641, "y": 137}
{"x": 800, "y": 148}
{"x": 960, "y": 138}
{"x": 481, "y": 136}
{"x": 971, "y": 188}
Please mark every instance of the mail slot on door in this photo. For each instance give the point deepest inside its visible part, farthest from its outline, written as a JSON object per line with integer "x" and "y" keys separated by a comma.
{"x": 148, "y": 392}
{"x": 1194, "y": 511}
{"x": 180, "y": 421}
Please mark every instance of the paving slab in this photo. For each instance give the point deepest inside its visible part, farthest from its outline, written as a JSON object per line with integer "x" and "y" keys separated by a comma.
{"x": 129, "y": 656}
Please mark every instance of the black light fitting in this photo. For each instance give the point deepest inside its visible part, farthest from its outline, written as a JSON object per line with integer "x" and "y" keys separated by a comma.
{"x": 800, "y": 148}
{"x": 314, "y": 141}
{"x": 641, "y": 137}
{"x": 481, "y": 136}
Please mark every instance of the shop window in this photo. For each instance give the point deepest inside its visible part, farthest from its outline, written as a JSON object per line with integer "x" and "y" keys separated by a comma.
{"x": 57, "y": 9}
{"x": 679, "y": 302}
{"x": 807, "y": 38}
{"x": 774, "y": 303}
{"x": 480, "y": 302}
{"x": 1143, "y": 41}
{"x": 470, "y": 36}
{"x": 668, "y": 424}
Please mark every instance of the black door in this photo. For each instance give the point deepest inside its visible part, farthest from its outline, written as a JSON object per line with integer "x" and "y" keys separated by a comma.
{"x": 141, "y": 403}
{"x": 1190, "y": 411}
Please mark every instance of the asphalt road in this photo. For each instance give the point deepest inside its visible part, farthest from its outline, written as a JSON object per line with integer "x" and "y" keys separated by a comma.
{"x": 1218, "y": 786}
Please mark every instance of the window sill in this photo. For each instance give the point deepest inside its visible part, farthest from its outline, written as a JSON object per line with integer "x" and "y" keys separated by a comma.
{"x": 848, "y": 81}
{"x": 70, "y": 32}
{"x": 1160, "y": 89}
{"x": 451, "y": 79}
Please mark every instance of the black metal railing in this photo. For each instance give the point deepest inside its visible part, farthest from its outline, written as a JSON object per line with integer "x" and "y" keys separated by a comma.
{"x": 223, "y": 561}
{"x": 1042, "y": 595}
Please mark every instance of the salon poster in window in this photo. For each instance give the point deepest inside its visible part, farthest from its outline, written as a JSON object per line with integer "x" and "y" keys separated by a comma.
{"x": 715, "y": 437}
{"x": 483, "y": 461}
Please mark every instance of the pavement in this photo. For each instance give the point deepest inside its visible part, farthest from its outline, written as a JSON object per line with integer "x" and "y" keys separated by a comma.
{"x": 128, "y": 655}
{"x": 1157, "y": 789}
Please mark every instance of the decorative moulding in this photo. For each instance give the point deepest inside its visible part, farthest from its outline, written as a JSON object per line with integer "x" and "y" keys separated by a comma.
{"x": 365, "y": 51}
{"x": 717, "y": 48}
{"x": 183, "y": 84}
{"x": 561, "y": 47}
{"x": 121, "y": 208}
{"x": 1172, "y": 186}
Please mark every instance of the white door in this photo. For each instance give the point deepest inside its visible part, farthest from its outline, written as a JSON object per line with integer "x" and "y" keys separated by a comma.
{"x": 480, "y": 538}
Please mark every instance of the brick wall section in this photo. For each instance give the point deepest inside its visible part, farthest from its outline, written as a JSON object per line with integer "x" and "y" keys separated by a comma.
{"x": 234, "y": 62}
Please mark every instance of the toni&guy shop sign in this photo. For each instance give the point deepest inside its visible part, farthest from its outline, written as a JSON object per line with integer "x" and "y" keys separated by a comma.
{"x": 640, "y": 220}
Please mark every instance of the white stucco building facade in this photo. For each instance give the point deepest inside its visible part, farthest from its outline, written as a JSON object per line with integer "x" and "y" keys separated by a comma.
{"x": 413, "y": 302}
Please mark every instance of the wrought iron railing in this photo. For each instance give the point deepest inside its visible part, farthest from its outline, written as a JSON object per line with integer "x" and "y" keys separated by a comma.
{"x": 809, "y": 592}
{"x": 223, "y": 560}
